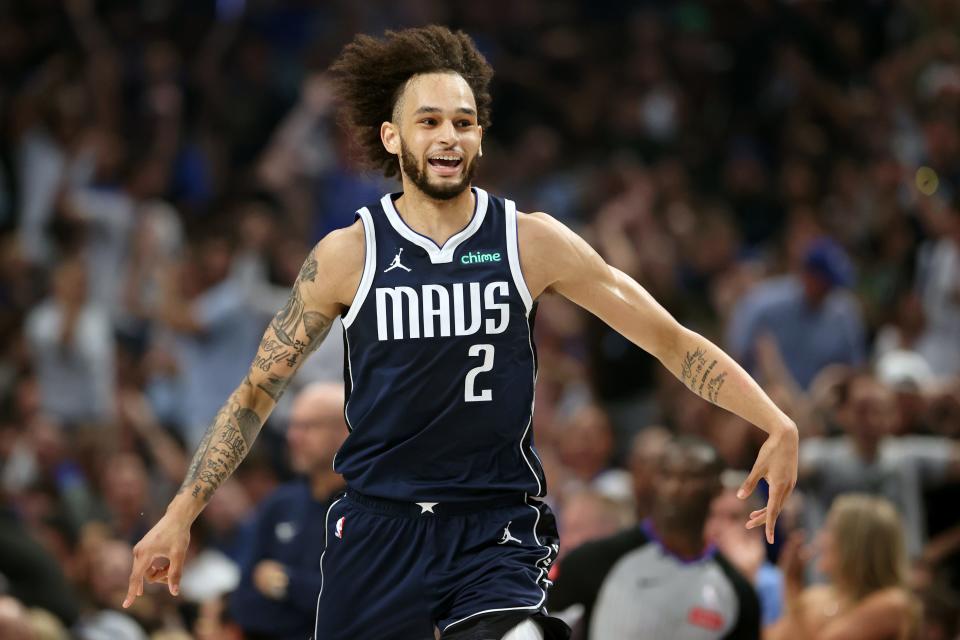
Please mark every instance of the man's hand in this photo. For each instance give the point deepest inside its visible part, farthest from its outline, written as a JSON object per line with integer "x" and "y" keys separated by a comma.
{"x": 159, "y": 556}
{"x": 744, "y": 549}
{"x": 270, "y": 579}
{"x": 793, "y": 562}
{"x": 777, "y": 463}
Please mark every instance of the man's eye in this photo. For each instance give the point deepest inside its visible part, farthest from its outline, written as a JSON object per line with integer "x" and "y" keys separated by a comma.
{"x": 428, "y": 121}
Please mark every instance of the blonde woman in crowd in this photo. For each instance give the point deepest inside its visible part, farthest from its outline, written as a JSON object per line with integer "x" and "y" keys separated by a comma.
{"x": 862, "y": 552}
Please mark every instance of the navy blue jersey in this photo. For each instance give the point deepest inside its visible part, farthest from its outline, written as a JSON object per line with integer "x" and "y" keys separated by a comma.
{"x": 440, "y": 363}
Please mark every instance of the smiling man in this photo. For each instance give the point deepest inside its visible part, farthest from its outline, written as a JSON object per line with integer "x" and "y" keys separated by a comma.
{"x": 440, "y": 525}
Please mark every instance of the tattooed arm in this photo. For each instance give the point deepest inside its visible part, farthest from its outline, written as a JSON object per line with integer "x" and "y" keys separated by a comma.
{"x": 324, "y": 288}
{"x": 295, "y": 331}
{"x": 554, "y": 259}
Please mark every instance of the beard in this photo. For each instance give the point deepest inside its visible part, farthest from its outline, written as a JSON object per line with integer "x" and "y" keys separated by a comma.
{"x": 421, "y": 179}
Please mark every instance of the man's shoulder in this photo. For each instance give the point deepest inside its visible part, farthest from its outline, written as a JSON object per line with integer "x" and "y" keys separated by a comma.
{"x": 343, "y": 242}
{"x": 741, "y": 585}
{"x": 776, "y": 291}
{"x": 842, "y": 302}
{"x": 606, "y": 551}
{"x": 340, "y": 258}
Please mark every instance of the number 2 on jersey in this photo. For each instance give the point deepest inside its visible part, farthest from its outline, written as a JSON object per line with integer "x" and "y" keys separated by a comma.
{"x": 469, "y": 393}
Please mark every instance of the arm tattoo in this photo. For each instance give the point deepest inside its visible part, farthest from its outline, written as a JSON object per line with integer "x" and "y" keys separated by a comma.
{"x": 285, "y": 323}
{"x": 194, "y": 470}
{"x": 691, "y": 366}
{"x": 222, "y": 449}
{"x": 249, "y": 423}
{"x": 713, "y": 387}
{"x": 309, "y": 269}
{"x": 316, "y": 327}
{"x": 695, "y": 374}
{"x": 289, "y": 318}
{"x": 230, "y": 437}
{"x": 274, "y": 386}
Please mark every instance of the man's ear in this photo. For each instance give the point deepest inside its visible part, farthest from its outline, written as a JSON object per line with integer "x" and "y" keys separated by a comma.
{"x": 390, "y": 136}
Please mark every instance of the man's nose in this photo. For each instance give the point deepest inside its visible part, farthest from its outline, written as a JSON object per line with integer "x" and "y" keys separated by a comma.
{"x": 447, "y": 133}
{"x": 670, "y": 484}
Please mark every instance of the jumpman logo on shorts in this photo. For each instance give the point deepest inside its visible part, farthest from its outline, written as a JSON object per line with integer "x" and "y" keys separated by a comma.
{"x": 396, "y": 263}
{"x": 506, "y": 537}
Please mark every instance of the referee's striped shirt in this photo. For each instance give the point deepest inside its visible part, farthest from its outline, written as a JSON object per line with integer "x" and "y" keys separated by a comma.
{"x": 632, "y": 588}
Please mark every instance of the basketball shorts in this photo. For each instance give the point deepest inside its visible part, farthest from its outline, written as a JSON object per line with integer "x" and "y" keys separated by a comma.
{"x": 395, "y": 570}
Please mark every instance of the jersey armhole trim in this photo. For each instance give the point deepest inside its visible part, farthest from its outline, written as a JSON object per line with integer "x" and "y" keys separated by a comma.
{"x": 513, "y": 254}
{"x": 369, "y": 266}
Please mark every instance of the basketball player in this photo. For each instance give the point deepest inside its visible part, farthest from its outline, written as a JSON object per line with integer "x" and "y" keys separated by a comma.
{"x": 437, "y": 287}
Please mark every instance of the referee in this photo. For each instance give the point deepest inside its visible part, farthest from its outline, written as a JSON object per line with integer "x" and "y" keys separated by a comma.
{"x": 660, "y": 579}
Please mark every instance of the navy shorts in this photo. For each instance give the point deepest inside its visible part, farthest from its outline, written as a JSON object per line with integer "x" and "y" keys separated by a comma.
{"x": 394, "y": 570}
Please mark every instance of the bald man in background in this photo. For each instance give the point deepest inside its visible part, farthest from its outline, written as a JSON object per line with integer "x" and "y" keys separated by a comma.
{"x": 277, "y": 596}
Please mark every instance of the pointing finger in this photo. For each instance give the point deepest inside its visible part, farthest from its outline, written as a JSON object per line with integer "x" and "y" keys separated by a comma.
{"x": 175, "y": 570}
{"x": 777, "y": 495}
{"x": 135, "y": 586}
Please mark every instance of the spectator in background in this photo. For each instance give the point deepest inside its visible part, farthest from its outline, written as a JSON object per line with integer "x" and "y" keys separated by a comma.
{"x": 19, "y": 623}
{"x": 281, "y": 576}
{"x": 867, "y": 597}
{"x": 939, "y": 285}
{"x": 588, "y": 515}
{"x": 125, "y": 485}
{"x": 215, "y": 623}
{"x": 110, "y": 560}
{"x": 14, "y": 622}
{"x": 868, "y": 459}
{"x": 50, "y": 153}
{"x": 30, "y": 574}
{"x": 813, "y": 318}
{"x": 745, "y": 549}
{"x": 662, "y": 579}
{"x": 71, "y": 342}
{"x": 646, "y": 450}
{"x": 941, "y": 614}
{"x": 43, "y": 467}
{"x": 585, "y": 443}
{"x": 213, "y": 330}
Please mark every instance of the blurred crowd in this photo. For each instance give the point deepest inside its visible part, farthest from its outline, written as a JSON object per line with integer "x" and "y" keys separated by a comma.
{"x": 783, "y": 176}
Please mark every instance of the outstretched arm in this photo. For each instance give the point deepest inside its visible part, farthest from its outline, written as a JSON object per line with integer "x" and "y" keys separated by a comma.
{"x": 557, "y": 260}
{"x": 295, "y": 331}
{"x": 328, "y": 277}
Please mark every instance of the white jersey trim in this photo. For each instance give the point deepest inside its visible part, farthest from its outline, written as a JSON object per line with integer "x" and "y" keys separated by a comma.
{"x": 444, "y": 254}
{"x": 326, "y": 537}
{"x": 346, "y": 405}
{"x": 513, "y": 254}
{"x": 369, "y": 267}
{"x": 533, "y": 404}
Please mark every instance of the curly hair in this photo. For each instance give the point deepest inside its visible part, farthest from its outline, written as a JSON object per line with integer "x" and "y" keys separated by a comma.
{"x": 371, "y": 73}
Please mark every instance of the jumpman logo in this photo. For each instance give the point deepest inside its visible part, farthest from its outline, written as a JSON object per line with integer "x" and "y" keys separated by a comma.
{"x": 507, "y": 537}
{"x": 396, "y": 263}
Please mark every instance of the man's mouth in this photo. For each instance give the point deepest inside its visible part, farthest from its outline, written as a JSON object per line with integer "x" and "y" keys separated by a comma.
{"x": 445, "y": 164}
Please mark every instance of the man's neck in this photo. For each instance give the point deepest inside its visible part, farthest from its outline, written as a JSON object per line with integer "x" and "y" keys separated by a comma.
{"x": 324, "y": 483}
{"x": 867, "y": 448}
{"x": 687, "y": 544}
{"x": 436, "y": 219}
